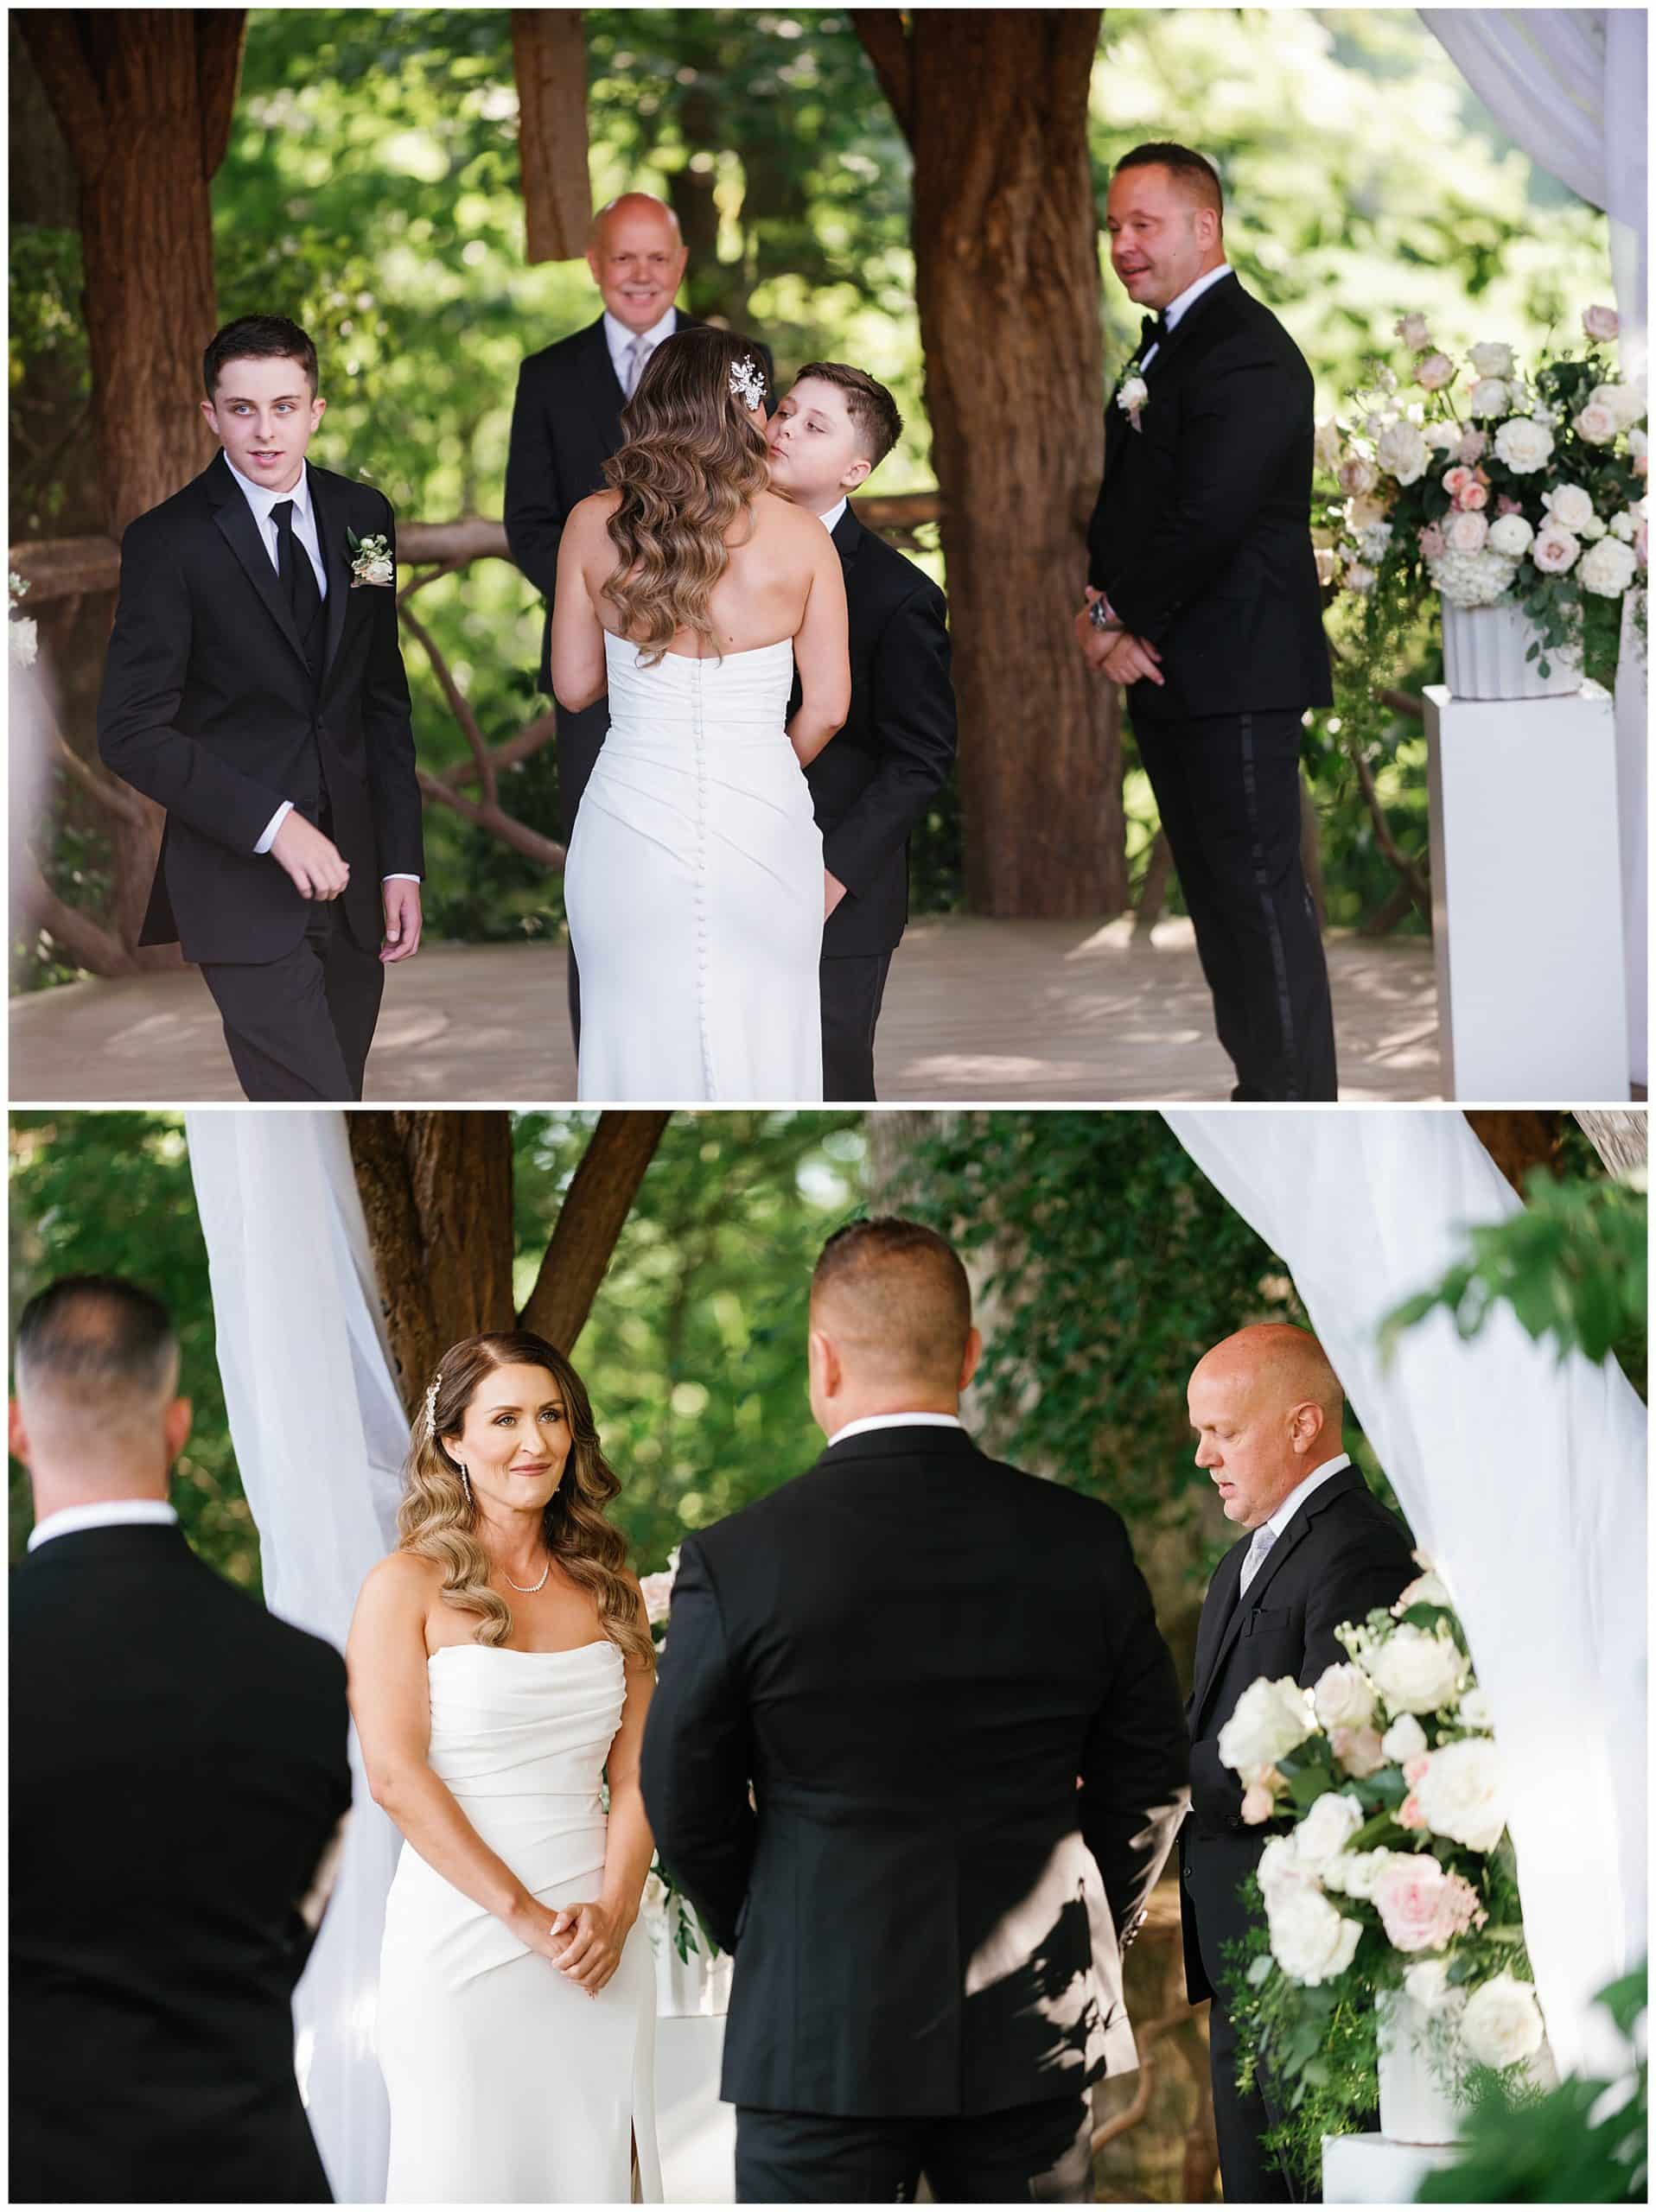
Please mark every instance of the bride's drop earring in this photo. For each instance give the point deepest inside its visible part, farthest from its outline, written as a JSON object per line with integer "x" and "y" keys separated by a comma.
{"x": 466, "y": 1485}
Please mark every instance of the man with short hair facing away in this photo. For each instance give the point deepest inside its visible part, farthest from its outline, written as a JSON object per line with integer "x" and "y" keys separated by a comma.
{"x": 1319, "y": 1550}
{"x": 893, "y": 751}
{"x": 566, "y": 423}
{"x": 179, "y": 1788}
{"x": 1202, "y": 584}
{"x": 943, "y": 1682}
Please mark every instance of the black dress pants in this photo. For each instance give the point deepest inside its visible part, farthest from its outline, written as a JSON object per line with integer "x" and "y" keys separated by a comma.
{"x": 580, "y": 740}
{"x": 853, "y": 986}
{"x": 1031, "y": 2154}
{"x": 1227, "y": 789}
{"x": 1241, "y": 2119}
{"x": 300, "y": 1028}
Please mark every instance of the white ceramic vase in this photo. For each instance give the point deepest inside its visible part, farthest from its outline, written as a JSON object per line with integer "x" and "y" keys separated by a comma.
{"x": 1415, "y": 2105}
{"x": 687, "y": 1988}
{"x": 1484, "y": 650}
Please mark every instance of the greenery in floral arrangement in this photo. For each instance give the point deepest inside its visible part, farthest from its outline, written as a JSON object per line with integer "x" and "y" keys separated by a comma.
{"x": 662, "y": 1894}
{"x": 1586, "y": 2142}
{"x": 1526, "y": 490}
{"x": 1572, "y": 1265}
{"x": 1398, "y": 1875}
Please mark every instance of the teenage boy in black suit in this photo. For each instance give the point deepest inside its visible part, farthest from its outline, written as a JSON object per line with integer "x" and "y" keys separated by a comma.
{"x": 872, "y": 785}
{"x": 254, "y": 688}
{"x": 1203, "y": 589}
{"x": 179, "y": 1787}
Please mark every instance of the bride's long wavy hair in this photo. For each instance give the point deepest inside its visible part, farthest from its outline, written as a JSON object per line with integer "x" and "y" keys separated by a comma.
{"x": 694, "y": 460}
{"x": 437, "y": 1521}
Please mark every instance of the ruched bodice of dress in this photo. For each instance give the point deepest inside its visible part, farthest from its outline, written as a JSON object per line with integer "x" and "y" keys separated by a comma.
{"x": 694, "y": 887}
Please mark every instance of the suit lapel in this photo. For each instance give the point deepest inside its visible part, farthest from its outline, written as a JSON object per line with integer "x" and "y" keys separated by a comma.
{"x": 330, "y": 536}
{"x": 1219, "y": 1609}
{"x": 604, "y": 386}
{"x": 848, "y": 536}
{"x": 235, "y": 518}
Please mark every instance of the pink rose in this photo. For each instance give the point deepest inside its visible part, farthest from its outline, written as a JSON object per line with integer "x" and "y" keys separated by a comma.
{"x": 1641, "y": 545}
{"x": 1596, "y": 423}
{"x": 1421, "y": 1907}
{"x": 1476, "y": 495}
{"x": 1474, "y": 445}
{"x": 1435, "y": 372}
{"x": 1357, "y": 476}
{"x": 1466, "y": 533}
{"x": 1358, "y": 1750}
{"x": 1431, "y": 543}
{"x": 1455, "y": 480}
{"x": 1256, "y": 1804}
{"x": 1414, "y": 1768}
{"x": 1506, "y": 505}
{"x": 657, "y": 1591}
{"x": 1554, "y": 550}
{"x": 1600, "y": 322}
{"x": 1410, "y": 1814}
{"x": 1641, "y": 464}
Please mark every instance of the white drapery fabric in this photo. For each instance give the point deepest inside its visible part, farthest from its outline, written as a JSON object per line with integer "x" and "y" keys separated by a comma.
{"x": 1568, "y": 85}
{"x": 320, "y": 1435}
{"x": 1522, "y": 1476}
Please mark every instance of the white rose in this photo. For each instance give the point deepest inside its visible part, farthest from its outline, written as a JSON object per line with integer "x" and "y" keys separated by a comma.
{"x": 1442, "y": 437}
{"x": 1592, "y": 529}
{"x": 1326, "y": 445}
{"x": 1493, "y": 360}
{"x": 1327, "y": 1828}
{"x": 1270, "y": 1719}
{"x": 1465, "y": 532}
{"x": 1501, "y": 2023}
{"x": 1625, "y": 525}
{"x": 1133, "y": 393}
{"x": 1524, "y": 446}
{"x": 1405, "y": 1739}
{"x": 1279, "y": 1868}
{"x": 1429, "y": 1589}
{"x": 1358, "y": 1872}
{"x": 1402, "y": 452}
{"x": 1343, "y": 1697}
{"x": 1309, "y": 1940}
{"x": 1373, "y": 541}
{"x": 1415, "y": 331}
{"x": 1428, "y": 1983}
{"x": 1609, "y": 568}
{"x": 1357, "y": 475}
{"x": 1554, "y": 550}
{"x": 1511, "y": 535}
{"x": 1413, "y": 1670}
{"x": 1358, "y": 577}
{"x": 1474, "y": 1710}
{"x": 1596, "y": 424}
{"x": 1435, "y": 372}
{"x": 1639, "y": 444}
{"x": 1625, "y": 401}
{"x": 1570, "y": 504}
{"x": 1460, "y": 1793}
{"x": 1490, "y": 396}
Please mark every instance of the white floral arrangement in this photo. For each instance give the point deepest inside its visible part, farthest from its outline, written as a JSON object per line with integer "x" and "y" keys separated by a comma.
{"x": 1497, "y": 486}
{"x": 371, "y": 561}
{"x": 1399, "y": 1872}
{"x": 22, "y": 641}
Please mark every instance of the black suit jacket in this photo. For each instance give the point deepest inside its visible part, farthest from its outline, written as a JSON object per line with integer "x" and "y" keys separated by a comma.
{"x": 913, "y": 1654}
{"x": 566, "y": 425}
{"x": 871, "y": 782}
{"x": 1341, "y": 1556}
{"x": 178, "y": 1767}
{"x": 208, "y": 706}
{"x": 1202, "y": 536}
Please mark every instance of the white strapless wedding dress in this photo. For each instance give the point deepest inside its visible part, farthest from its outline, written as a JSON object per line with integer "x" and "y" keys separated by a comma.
{"x": 694, "y": 887}
{"x": 508, "y": 2085}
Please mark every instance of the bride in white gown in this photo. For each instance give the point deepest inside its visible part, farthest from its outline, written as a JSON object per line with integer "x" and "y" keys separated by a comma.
{"x": 694, "y": 884}
{"x": 516, "y": 1995}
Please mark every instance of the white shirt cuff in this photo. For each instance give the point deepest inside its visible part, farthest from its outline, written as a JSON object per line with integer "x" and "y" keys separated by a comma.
{"x": 396, "y": 877}
{"x": 273, "y": 825}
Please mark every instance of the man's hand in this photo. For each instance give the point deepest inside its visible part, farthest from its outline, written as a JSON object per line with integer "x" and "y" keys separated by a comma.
{"x": 1094, "y": 643}
{"x": 313, "y": 862}
{"x": 832, "y": 892}
{"x": 1132, "y": 660}
{"x": 401, "y": 903}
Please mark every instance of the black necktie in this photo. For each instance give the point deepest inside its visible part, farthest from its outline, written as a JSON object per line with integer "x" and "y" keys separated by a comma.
{"x": 293, "y": 566}
{"x": 1152, "y": 332}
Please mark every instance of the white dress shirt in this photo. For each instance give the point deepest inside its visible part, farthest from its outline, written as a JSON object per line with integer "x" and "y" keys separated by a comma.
{"x": 830, "y": 520}
{"x": 1290, "y": 1505}
{"x": 894, "y": 1420}
{"x": 619, "y": 339}
{"x": 264, "y": 502}
{"x": 1175, "y": 311}
{"x": 110, "y": 1513}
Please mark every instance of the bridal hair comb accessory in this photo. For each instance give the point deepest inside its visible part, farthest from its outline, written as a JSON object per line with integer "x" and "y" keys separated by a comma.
{"x": 747, "y": 383}
{"x": 431, "y": 1403}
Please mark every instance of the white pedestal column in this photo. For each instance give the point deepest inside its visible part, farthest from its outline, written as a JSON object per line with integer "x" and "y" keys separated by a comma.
{"x": 1373, "y": 2169}
{"x": 1526, "y": 901}
{"x": 695, "y": 2133}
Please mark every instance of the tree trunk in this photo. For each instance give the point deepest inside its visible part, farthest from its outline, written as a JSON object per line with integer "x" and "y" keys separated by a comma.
{"x": 994, "y": 103}
{"x": 1621, "y": 1138}
{"x": 600, "y": 1198}
{"x": 549, "y": 59}
{"x": 436, "y": 1193}
{"x": 143, "y": 97}
{"x": 1520, "y": 1142}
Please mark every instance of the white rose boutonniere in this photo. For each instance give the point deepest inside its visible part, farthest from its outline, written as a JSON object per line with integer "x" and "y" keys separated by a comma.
{"x": 1133, "y": 395}
{"x": 371, "y": 561}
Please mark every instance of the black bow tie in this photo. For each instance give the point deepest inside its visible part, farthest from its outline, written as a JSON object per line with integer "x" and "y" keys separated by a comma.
{"x": 1152, "y": 332}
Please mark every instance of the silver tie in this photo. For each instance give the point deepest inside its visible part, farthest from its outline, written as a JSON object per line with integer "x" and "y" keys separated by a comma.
{"x": 637, "y": 354}
{"x": 1264, "y": 1538}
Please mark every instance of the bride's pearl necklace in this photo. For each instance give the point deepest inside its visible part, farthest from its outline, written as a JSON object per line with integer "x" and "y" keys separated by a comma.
{"x": 528, "y": 1589}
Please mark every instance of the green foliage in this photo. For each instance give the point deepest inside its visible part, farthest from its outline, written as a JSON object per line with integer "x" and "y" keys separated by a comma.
{"x": 1576, "y": 2144}
{"x": 1572, "y": 1265}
